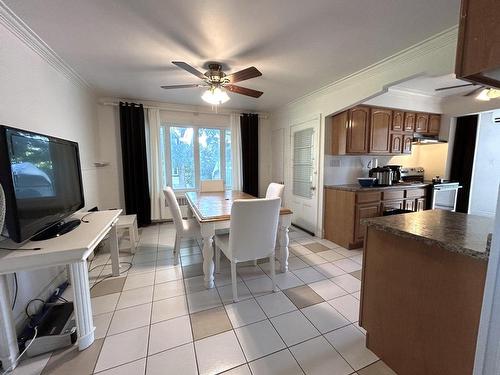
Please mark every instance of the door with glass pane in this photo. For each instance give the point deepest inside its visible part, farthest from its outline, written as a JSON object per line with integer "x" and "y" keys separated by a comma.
{"x": 304, "y": 174}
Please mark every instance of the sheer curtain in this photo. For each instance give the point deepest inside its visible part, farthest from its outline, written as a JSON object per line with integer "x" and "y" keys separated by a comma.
{"x": 236, "y": 151}
{"x": 158, "y": 209}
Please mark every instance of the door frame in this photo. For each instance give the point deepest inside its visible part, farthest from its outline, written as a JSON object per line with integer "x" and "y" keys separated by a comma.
{"x": 320, "y": 128}
{"x": 283, "y": 146}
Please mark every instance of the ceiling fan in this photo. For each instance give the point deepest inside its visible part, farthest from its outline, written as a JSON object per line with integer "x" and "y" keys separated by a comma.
{"x": 485, "y": 93}
{"x": 217, "y": 82}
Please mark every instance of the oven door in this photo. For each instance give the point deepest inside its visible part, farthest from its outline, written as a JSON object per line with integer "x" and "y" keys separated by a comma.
{"x": 444, "y": 197}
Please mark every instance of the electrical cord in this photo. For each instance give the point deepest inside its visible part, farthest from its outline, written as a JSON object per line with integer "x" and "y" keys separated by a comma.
{"x": 108, "y": 276}
{"x": 17, "y": 289}
{"x": 24, "y": 351}
{"x": 83, "y": 220}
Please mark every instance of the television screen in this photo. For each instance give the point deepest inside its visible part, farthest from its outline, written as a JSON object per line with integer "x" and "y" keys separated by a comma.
{"x": 42, "y": 180}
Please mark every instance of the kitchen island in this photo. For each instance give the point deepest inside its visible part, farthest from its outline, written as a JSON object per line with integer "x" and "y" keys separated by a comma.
{"x": 422, "y": 288}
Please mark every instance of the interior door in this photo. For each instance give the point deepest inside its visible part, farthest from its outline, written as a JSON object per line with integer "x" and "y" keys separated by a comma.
{"x": 278, "y": 150}
{"x": 304, "y": 172}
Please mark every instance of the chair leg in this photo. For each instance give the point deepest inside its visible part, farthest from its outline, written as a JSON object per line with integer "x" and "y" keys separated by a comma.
{"x": 273, "y": 272}
{"x": 233, "y": 281}
{"x": 217, "y": 259}
{"x": 177, "y": 248}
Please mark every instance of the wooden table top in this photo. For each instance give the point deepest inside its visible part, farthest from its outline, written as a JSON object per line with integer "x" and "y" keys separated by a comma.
{"x": 216, "y": 206}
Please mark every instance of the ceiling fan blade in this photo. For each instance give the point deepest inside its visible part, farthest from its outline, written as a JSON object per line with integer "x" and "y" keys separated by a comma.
{"x": 181, "y": 86}
{"x": 244, "y": 74}
{"x": 189, "y": 68}
{"x": 474, "y": 91}
{"x": 244, "y": 91}
{"x": 455, "y": 87}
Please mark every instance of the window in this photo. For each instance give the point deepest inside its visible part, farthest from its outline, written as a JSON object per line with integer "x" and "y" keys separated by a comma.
{"x": 190, "y": 154}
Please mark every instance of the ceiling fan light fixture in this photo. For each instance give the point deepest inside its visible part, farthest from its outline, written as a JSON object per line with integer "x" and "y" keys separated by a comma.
{"x": 493, "y": 93}
{"x": 483, "y": 95}
{"x": 215, "y": 96}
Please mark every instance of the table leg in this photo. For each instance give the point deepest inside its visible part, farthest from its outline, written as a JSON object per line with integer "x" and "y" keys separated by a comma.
{"x": 208, "y": 253}
{"x": 283, "y": 239}
{"x": 115, "y": 251}
{"x": 131, "y": 233}
{"x": 8, "y": 338}
{"x": 83, "y": 308}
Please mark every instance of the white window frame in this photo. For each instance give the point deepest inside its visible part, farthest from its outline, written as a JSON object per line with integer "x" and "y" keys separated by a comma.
{"x": 196, "y": 151}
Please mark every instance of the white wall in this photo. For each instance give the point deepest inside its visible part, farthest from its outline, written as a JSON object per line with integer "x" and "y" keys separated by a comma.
{"x": 35, "y": 96}
{"x": 486, "y": 170}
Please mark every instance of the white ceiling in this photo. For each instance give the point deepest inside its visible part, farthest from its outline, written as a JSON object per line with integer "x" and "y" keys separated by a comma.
{"x": 123, "y": 48}
{"x": 427, "y": 86}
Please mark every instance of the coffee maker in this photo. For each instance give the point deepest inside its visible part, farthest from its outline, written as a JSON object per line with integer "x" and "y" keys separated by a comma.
{"x": 383, "y": 175}
{"x": 396, "y": 173}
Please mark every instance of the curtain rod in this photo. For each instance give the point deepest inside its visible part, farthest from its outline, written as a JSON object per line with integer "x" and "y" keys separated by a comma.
{"x": 223, "y": 112}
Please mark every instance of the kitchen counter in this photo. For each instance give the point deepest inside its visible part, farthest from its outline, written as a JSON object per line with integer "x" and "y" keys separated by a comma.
{"x": 453, "y": 231}
{"x": 356, "y": 187}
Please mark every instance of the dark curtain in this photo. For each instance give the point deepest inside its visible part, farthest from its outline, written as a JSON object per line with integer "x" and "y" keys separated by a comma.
{"x": 249, "y": 123}
{"x": 135, "y": 167}
{"x": 462, "y": 160}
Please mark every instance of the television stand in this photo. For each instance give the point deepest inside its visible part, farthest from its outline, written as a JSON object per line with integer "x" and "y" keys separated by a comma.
{"x": 56, "y": 230}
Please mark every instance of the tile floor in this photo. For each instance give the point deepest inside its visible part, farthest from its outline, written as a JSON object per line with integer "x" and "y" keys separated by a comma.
{"x": 158, "y": 318}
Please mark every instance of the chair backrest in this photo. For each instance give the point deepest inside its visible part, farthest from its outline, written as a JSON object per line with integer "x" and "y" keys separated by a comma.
{"x": 254, "y": 223}
{"x": 275, "y": 190}
{"x": 174, "y": 207}
{"x": 210, "y": 186}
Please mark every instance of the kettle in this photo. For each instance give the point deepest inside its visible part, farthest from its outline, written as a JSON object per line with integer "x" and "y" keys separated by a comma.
{"x": 383, "y": 175}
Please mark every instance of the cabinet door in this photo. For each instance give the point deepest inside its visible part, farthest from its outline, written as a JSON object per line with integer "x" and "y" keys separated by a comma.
{"x": 396, "y": 143}
{"x": 434, "y": 124}
{"x": 410, "y": 204}
{"x": 380, "y": 126}
{"x": 422, "y": 123}
{"x": 407, "y": 142}
{"x": 364, "y": 211}
{"x": 397, "y": 120}
{"x": 358, "y": 130}
{"x": 409, "y": 124}
{"x": 421, "y": 204}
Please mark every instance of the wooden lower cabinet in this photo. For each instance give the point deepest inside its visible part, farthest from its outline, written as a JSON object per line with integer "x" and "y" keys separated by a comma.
{"x": 410, "y": 205}
{"x": 364, "y": 211}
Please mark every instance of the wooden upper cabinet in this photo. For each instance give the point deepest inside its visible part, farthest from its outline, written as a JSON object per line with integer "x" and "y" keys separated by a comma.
{"x": 397, "y": 121}
{"x": 409, "y": 122}
{"x": 434, "y": 124}
{"x": 478, "y": 49}
{"x": 358, "y": 130}
{"x": 407, "y": 142}
{"x": 380, "y": 126}
{"x": 422, "y": 123}
{"x": 396, "y": 143}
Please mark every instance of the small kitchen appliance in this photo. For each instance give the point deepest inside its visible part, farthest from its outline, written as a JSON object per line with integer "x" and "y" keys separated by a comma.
{"x": 396, "y": 173}
{"x": 383, "y": 175}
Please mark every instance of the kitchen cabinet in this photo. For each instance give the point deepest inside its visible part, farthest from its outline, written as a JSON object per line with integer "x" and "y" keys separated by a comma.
{"x": 396, "y": 143}
{"x": 358, "y": 127}
{"x": 434, "y": 124}
{"x": 407, "y": 143}
{"x": 392, "y": 205}
{"x": 364, "y": 211}
{"x": 409, "y": 122}
{"x": 380, "y": 126}
{"x": 478, "y": 49}
{"x": 410, "y": 204}
{"x": 397, "y": 121}
{"x": 420, "y": 204}
{"x": 421, "y": 123}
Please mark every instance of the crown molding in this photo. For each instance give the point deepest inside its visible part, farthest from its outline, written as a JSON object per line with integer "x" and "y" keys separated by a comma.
{"x": 427, "y": 46}
{"x": 24, "y": 33}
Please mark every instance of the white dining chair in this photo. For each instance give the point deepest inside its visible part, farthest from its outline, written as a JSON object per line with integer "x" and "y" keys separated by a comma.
{"x": 275, "y": 190}
{"x": 184, "y": 228}
{"x": 211, "y": 186}
{"x": 252, "y": 235}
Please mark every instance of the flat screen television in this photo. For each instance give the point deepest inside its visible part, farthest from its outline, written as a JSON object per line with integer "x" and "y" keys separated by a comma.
{"x": 42, "y": 180}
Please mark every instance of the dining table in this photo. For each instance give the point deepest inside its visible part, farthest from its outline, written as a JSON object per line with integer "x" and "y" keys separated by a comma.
{"x": 212, "y": 210}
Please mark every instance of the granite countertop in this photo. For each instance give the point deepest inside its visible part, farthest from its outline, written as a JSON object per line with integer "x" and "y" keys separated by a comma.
{"x": 356, "y": 187}
{"x": 453, "y": 231}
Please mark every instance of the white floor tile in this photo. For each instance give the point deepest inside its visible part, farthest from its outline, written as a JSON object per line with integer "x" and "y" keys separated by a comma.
{"x": 259, "y": 339}
{"x": 348, "y": 306}
{"x": 101, "y": 323}
{"x": 203, "y": 300}
{"x": 224, "y": 277}
{"x": 261, "y": 286}
{"x": 329, "y": 270}
{"x": 296, "y": 263}
{"x": 293, "y": 327}
{"x": 195, "y": 284}
{"x": 309, "y": 275}
{"x": 169, "y": 308}
{"x": 218, "y": 353}
{"x": 330, "y": 255}
{"x": 280, "y": 363}
{"x": 169, "y": 274}
{"x": 133, "y": 368}
{"x": 250, "y": 272}
{"x": 165, "y": 263}
{"x": 135, "y": 297}
{"x": 130, "y": 318}
{"x": 347, "y": 265}
{"x": 317, "y": 357}
{"x": 244, "y": 312}
{"x": 313, "y": 259}
{"x": 31, "y": 366}
{"x": 327, "y": 289}
{"x": 169, "y": 289}
{"x": 104, "y": 304}
{"x": 327, "y": 243}
{"x": 141, "y": 268}
{"x": 169, "y": 334}
{"x": 358, "y": 258}
{"x": 240, "y": 370}
{"x": 347, "y": 282}
{"x": 191, "y": 259}
{"x": 350, "y": 343}
{"x": 122, "y": 348}
{"x": 226, "y": 293}
{"x": 299, "y": 250}
{"x": 357, "y": 294}
{"x": 180, "y": 360}
{"x": 287, "y": 280}
{"x": 139, "y": 280}
{"x": 324, "y": 317}
{"x": 275, "y": 304}
{"x": 349, "y": 253}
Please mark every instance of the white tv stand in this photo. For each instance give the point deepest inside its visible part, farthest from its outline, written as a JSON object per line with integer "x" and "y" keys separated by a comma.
{"x": 71, "y": 249}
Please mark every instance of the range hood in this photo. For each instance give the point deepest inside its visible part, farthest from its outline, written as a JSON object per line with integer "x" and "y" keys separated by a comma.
{"x": 423, "y": 139}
